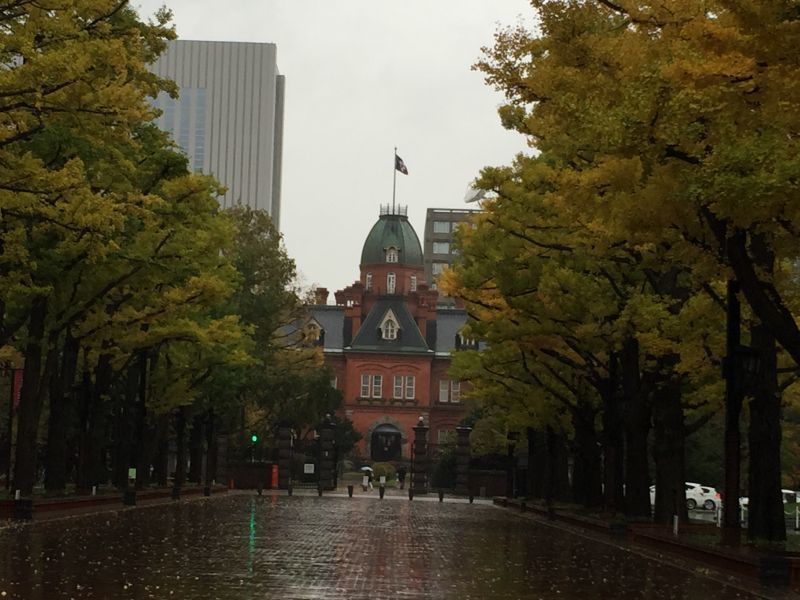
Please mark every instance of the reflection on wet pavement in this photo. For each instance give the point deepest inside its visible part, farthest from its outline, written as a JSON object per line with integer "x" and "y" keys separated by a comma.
{"x": 242, "y": 546}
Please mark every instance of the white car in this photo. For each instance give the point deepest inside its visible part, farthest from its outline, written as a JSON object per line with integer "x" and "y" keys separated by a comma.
{"x": 696, "y": 496}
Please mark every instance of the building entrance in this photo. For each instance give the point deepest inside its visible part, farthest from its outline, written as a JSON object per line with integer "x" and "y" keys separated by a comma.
{"x": 385, "y": 443}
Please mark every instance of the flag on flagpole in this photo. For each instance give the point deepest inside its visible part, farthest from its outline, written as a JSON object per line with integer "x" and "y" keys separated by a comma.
{"x": 400, "y": 165}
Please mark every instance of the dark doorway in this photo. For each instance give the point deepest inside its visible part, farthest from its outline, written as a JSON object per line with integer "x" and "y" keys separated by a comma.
{"x": 385, "y": 443}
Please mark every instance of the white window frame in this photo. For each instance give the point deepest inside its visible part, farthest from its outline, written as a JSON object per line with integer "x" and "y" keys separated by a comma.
{"x": 410, "y": 390}
{"x": 444, "y": 436}
{"x": 391, "y": 282}
{"x": 392, "y": 255}
{"x": 444, "y": 390}
{"x": 335, "y": 382}
{"x": 377, "y": 386}
{"x": 389, "y": 329}
{"x": 441, "y": 227}
{"x": 413, "y": 286}
{"x": 398, "y": 387}
{"x": 455, "y": 391}
{"x": 366, "y": 384}
{"x": 368, "y": 282}
{"x": 441, "y": 247}
{"x": 437, "y": 268}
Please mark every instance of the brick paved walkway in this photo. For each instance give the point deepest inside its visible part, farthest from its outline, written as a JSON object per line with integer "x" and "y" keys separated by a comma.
{"x": 242, "y": 546}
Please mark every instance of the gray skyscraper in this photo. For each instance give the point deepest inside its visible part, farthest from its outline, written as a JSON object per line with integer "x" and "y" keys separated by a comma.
{"x": 229, "y": 117}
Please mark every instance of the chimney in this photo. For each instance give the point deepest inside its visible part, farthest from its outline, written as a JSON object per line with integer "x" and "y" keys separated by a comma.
{"x": 321, "y": 295}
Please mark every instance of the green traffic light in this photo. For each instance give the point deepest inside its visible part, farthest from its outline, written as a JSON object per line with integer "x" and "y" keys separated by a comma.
{"x": 254, "y": 438}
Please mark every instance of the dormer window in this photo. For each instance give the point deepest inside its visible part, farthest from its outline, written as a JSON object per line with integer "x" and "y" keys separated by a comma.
{"x": 389, "y": 327}
{"x": 390, "y": 283}
{"x": 391, "y": 254}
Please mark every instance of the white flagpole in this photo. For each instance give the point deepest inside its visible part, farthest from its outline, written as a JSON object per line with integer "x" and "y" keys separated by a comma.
{"x": 394, "y": 177}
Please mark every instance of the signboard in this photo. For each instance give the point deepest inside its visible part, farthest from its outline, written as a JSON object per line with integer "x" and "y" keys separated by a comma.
{"x": 383, "y": 479}
{"x": 308, "y": 468}
{"x": 131, "y": 474}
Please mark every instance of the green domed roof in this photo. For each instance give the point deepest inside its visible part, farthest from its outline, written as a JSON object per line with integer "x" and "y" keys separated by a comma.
{"x": 392, "y": 230}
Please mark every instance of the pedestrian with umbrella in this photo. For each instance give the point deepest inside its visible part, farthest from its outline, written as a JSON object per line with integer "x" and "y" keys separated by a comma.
{"x": 366, "y": 480}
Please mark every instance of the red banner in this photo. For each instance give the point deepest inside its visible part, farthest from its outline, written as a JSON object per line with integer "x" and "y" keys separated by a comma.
{"x": 17, "y": 387}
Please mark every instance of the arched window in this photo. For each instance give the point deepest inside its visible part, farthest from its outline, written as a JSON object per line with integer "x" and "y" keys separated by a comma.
{"x": 368, "y": 283}
{"x": 391, "y": 254}
{"x": 389, "y": 330}
{"x": 390, "y": 283}
{"x": 413, "y": 283}
{"x": 389, "y": 327}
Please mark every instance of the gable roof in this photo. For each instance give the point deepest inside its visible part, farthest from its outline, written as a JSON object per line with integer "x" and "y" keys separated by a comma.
{"x": 409, "y": 339}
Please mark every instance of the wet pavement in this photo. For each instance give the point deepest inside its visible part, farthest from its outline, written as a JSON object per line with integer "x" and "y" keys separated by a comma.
{"x": 300, "y": 547}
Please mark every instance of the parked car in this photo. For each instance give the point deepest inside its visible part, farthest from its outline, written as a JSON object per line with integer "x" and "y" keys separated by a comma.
{"x": 696, "y": 496}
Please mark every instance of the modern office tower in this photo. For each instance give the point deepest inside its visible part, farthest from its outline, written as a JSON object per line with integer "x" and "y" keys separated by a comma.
{"x": 229, "y": 116}
{"x": 440, "y": 227}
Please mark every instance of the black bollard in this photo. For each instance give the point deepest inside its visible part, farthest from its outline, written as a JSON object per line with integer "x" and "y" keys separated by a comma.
{"x": 319, "y": 491}
{"x": 207, "y": 491}
{"x": 471, "y": 498}
{"x": 129, "y": 497}
{"x": 260, "y": 489}
{"x": 23, "y": 509}
{"x": 381, "y": 491}
{"x": 441, "y": 495}
{"x": 289, "y": 490}
{"x": 350, "y": 491}
{"x": 410, "y": 494}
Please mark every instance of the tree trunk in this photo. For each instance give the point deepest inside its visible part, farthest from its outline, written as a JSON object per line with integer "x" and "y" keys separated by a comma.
{"x": 180, "y": 446}
{"x": 62, "y": 417}
{"x": 211, "y": 448}
{"x": 196, "y": 450}
{"x": 30, "y": 405}
{"x": 765, "y": 520}
{"x": 139, "y": 458}
{"x": 613, "y": 442}
{"x": 637, "y": 428}
{"x": 91, "y": 424}
{"x": 668, "y": 452}
{"x": 161, "y": 460}
{"x": 538, "y": 463}
{"x": 586, "y": 473}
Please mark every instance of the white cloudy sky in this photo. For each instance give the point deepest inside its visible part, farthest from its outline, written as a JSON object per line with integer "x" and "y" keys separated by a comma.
{"x": 363, "y": 76}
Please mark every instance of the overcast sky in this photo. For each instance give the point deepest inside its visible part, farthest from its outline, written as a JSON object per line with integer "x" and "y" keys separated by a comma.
{"x": 364, "y": 76}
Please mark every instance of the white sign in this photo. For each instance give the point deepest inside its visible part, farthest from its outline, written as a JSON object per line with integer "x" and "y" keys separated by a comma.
{"x": 383, "y": 479}
{"x": 308, "y": 468}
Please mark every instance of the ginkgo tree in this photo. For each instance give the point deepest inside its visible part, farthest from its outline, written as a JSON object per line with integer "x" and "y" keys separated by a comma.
{"x": 671, "y": 127}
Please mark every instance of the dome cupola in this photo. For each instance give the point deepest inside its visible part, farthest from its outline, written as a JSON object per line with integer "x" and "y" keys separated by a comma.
{"x": 392, "y": 240}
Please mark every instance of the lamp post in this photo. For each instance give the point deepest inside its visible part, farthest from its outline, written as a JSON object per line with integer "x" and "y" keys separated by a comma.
{"x": 419, "y": 462}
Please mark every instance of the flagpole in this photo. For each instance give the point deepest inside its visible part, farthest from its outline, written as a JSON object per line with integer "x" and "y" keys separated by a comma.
{"x": 394, "y": 177}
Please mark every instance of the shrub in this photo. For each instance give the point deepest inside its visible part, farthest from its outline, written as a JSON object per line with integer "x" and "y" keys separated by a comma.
{"x": 386, "y": 469}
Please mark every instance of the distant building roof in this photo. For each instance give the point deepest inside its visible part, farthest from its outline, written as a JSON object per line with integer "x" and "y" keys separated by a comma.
{"x": 331, "y": 319}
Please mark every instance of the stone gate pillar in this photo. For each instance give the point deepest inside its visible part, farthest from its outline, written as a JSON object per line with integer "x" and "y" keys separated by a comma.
{"x": 419, "y": 462}
{"x": 284, "y": 457}
{"x": 462, "y": 460}
{"x": 327, "y": 460}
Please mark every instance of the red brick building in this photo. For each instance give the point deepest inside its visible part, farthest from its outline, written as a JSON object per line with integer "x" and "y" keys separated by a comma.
{"x": 389, "y": 344}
